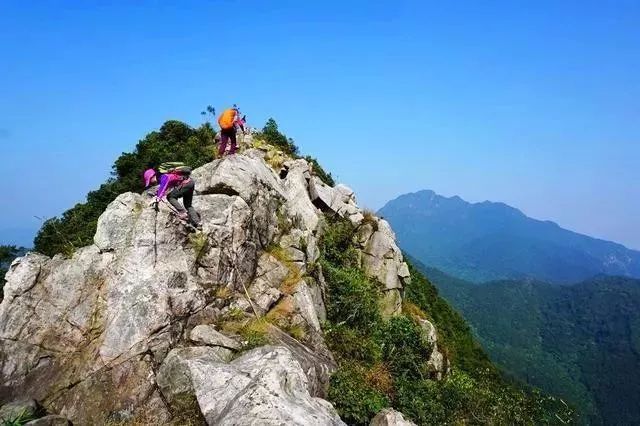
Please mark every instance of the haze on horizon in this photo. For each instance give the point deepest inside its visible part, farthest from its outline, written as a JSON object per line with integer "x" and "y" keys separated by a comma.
{"x": 535, "y": 104}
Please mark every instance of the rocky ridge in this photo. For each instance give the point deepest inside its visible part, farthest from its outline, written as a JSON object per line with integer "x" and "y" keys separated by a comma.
{"x": 144, "y": 324}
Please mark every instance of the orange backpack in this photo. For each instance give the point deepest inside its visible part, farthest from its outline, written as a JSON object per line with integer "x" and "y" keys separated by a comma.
{"x": 227, "y": 119}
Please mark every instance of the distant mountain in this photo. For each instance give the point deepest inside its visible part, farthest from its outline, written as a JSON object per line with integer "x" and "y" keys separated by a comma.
{"x": 579, "y": 342}
{"x": 490, "y": 241}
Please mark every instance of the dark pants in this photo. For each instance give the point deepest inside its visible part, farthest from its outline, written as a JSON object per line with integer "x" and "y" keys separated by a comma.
{"x": 225, "y": 136}
{"x": 186, "y": 193}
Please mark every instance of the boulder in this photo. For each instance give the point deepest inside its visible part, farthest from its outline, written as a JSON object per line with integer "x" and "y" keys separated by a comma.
{"x": 437, "y": 362}
{"x": 51, "y": 420}
{"x": 390, "y": 417}
{"x": 296, "y": 186}
{"x": 105, "y": 334}
{"x": 264, "y": 386}
{"x": 207, "y": 335}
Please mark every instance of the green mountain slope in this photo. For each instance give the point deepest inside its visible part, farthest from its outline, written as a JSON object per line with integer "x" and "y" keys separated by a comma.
{"x": 580, "y": 342}
{"x": 490, "y": 241}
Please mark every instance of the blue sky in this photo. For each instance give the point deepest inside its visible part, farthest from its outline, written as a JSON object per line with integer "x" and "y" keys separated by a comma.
{"x": 533, "y": 103}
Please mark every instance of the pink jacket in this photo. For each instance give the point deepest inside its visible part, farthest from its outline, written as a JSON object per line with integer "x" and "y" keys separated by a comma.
{"x": 169, "y": 181}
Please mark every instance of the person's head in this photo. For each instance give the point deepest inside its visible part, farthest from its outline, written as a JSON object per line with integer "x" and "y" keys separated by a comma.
{"x": 150, "y": 178}
{"x": 184, "y": 172}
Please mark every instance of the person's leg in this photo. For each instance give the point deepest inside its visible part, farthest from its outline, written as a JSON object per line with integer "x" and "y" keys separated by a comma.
{"x": 224, "y": 137}
{"x": 194, "y": 216}
{"x": 234, "y": 143}
{"x": 172, "y": 197}
{"x": 186, "y": 192}
{"x": 187, "y": 200}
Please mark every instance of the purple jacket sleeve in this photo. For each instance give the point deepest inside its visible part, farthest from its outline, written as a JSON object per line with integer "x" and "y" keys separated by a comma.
{"x": 164, "y": 183}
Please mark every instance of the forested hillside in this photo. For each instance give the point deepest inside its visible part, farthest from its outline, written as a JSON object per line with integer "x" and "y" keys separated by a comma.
{"x": 580, "y": 342}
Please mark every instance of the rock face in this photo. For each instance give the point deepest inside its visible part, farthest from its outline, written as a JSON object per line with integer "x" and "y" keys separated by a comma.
{"x": 437, "y": 362}
{"x": 125, "y": 328}
{"x": 390, "y": 417}
{"x": 264, "y": 386}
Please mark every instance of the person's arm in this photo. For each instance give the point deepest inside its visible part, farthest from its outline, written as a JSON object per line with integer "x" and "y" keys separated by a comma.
{"x": 239, "y": 122}
{"x": 164, "y": 183}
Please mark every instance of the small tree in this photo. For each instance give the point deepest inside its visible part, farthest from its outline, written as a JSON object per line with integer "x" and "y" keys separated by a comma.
{"x": 208, "y": 110}
{"x": 273, "y": 136}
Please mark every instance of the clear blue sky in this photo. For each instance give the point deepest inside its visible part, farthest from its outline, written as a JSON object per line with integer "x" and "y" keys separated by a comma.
{"x": 533, "y": 103}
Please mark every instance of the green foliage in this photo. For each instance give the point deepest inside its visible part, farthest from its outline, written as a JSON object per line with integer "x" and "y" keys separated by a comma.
{"x": 21, "y": 418}
{"x": 350, "y": 344}
{"x": 423, "y": 400}
{"x": 200, "y": 243}
{"x": 255, "y": 334}
{"x": 383, "y": 363}
{"x": 356, "y": 400}
{"x": 319, "y": 171}
{"x": 175, "y": 141}
{"x": 352, "y": 299}
{"x": 404, "y": 348}
{"x": 458, "y": 340}
{"x": 337, "y": 246}
{"x": 559, "y": 338}
{"x": 271, "y": 135}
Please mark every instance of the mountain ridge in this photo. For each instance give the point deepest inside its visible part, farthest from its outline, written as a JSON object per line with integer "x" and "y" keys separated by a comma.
{"x": 291, "y": 305}
{"x": 488, "y": 240}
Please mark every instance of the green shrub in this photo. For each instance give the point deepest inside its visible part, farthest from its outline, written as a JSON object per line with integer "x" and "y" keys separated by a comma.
{"x": 352, "y": 298}
{"x": 175, "y": 141}
{"x": 271, "y": 135}
{"x": 383, "y": 363}
{"x": 348, "y": 344}
{"x": 455, "y": 336}
{"x": 319, "y": 171}
{"x": 336, "y": 244}
{"x": 356, "y": 400}
{"x": 404, "y": 348}
{"x": 422, "y": 401}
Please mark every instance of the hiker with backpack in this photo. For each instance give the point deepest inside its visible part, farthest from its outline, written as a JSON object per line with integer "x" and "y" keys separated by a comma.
{"x": 228, "y": 121}
{"x": 175, "y": 182}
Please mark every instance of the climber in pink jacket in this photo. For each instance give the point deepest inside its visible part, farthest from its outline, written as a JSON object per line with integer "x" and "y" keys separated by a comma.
{"x": 176, "y": 184}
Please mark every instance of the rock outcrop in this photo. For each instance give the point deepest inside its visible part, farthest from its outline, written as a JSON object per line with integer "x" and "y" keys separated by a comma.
{"x": 390, "y": 417}
{"x": 128, "y": 329}
{"x": 264, "y": 386}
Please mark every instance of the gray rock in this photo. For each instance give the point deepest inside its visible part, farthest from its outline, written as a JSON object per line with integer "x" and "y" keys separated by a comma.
{"x": 317, "y": 362}
{"x": 174, "y": 376}
{"x": 306, "y": 306}
{"x": 207, "y": 335}
{"x": 391, "y": 303}
{"x": 381, "y": 257}
{"x": 115, "y": 230}
{"x": 436, "y": 362}
{"x": 390, "y": 417}
{"x": 86, "y": 334}
{"x": 296, "y": 186}
{"x": 264, "y": 290}
{"x": 338, "y": 200}
{"x": 51, "y": 420}
{"x": 265, "y": 386}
